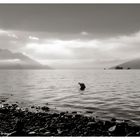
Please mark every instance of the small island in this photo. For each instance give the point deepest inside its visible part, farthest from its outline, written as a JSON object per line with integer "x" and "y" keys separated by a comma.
{"x": 118, "y": 68}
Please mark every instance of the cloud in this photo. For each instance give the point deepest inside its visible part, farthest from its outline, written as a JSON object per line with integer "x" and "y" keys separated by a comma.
{"x": 8, "y": 34}
{"x": 9, "y": 60}
{"x": 125, "y": 46}
{"x": 44, "y": 47}
{"x": 33, "y": 38}
{"x": 115, "y": 47}
{"x": 12, "y": 35}
{"x": 84, "y": 33}
{"x": 3, "y": 32}
{"x": 48, "y": 50}
{"x": 107, "y": 51}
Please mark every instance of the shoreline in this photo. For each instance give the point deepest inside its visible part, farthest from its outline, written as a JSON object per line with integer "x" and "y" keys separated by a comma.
{"x": 16, "y": 121}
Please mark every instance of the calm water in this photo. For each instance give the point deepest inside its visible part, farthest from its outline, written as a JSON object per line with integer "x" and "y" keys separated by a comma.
{"x": 109, "y": 93}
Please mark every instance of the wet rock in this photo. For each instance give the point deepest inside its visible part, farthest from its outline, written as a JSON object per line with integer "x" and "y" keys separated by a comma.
{"x": 14, "y": 106}
{"x": 55, "y": 115}
{"x": 131, "y": 134}
{"x": 52, "y": 129}
{"x": 120, "y": 130}
{"x": 98, "y": 132}
{"x": 138, "y": 133}
{"x": 3, "y": 134}
{"x": 135, "y": 130}
{"x": 19, "y": 125}
{"x": 69, "y": 116}
{"x": 47, "y": 133}
{"x": 105, "y": 133}
{"x": 74, "y": 112}
{"x": 1, "y": 106}
{"x": 4, "y": 110}
{"x": 14, "y": 133}
{"x": 42, "y": 130}
{"x": 108, "y": 124}
{"x": 77, "y": 115}
{"x": 62, "y": 113}
{"x": 3, "y": 100}
{"x": 113, "y": 119}
{"x": 119, "y": 121}
{"x": 26, "y": 110}
{"x": 59, "y": 131}
{"x": 126, "y": 121}
{"x": 62, "y": 125}
{"x": 6, "y": 105}
{"x": 32, "y": 133}
{"x": 45, "y": 108}
{"x": 32, "y": 106}
{"x": 91, "y": 123}
{"x": 37, "y": 107}
{"x": 18, "y": 108}
{"x": 89, "y": 112}
{"x": 111, "y": 129}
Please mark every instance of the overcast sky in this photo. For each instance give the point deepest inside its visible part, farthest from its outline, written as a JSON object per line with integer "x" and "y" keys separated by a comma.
{"x": 72, "y": 35}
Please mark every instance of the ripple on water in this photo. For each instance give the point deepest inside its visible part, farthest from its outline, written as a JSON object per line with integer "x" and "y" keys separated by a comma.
{"x": 108, "y": 93}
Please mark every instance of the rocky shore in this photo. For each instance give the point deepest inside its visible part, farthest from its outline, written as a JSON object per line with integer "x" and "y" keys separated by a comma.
{"x": 16, "y": 121}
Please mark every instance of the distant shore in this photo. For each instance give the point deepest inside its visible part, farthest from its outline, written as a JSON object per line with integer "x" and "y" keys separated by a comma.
{"x": 16, "y": 121}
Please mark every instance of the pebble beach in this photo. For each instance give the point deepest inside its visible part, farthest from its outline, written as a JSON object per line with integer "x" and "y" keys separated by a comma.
{"x": 17, "y": 121}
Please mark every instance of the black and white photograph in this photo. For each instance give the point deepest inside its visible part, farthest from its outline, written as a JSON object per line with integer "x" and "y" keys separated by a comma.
{"x": 69, "y": 70}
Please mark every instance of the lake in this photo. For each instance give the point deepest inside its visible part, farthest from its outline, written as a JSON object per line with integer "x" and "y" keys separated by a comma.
{"x": 108, "y": 93}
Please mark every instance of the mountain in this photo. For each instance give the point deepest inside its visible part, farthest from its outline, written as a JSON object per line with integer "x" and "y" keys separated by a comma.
{"x": 10, "y": 60}
{"x": 133, "y": 64}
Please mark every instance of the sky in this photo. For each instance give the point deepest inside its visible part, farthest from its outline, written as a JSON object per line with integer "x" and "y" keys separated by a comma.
{"x": 72, "y": 35}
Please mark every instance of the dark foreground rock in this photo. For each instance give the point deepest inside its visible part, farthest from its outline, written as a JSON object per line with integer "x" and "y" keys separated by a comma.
{"x": 15, "y": 121}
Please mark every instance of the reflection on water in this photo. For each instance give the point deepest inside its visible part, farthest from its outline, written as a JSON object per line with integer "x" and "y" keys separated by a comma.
{"x": 108, "y": 93}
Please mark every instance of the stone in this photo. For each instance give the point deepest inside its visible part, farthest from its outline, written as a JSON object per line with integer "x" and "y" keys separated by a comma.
{"x": 32, "y": 133}
{"x": 74, "y": 112}
{"x": 120, "y": 130}
{"x": 32, "y": 106}
{"x": 91, "y": 123}
{"x": 77, "y": 115}
{"x": 47, "y": 133}
{"x": 111, "y": 129}
{"x": 3, "y": 100}
{"x": 113, "y": 119}
{"x": 45, "y": 108}
{"x": 62, "y": 113}
{"x": 55, "y": 115}
{"x": 89, "y": 112}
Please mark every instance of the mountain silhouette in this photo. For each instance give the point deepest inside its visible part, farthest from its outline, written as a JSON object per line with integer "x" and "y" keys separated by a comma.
{"x": 10, "y": 60}
{"x": 132, "y": 64}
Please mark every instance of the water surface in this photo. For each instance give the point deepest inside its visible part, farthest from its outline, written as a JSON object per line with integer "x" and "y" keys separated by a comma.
{"x": 109, "y": 93}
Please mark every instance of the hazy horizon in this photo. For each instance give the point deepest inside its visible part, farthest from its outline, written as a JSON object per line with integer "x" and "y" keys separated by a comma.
{"x": 72, "y": 35}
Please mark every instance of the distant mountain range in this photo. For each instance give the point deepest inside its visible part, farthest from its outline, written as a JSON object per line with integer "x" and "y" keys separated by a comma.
{"x": 10, "y": 60}
{"x": 133, "y": 64}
